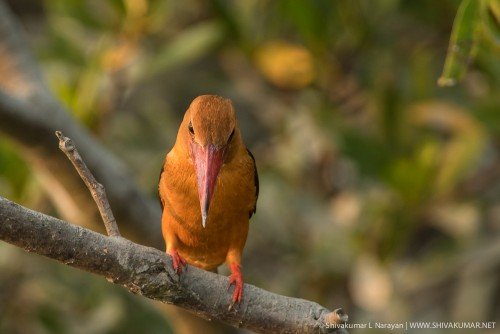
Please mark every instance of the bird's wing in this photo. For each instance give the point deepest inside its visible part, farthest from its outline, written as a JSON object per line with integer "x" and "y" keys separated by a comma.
{"x": 256, "y": 183}
{"x": 159, "y": 182}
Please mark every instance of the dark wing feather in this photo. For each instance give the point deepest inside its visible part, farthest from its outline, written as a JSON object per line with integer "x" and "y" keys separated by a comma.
{"x": 159, "y": 180}
{"x": 256, "y": 182}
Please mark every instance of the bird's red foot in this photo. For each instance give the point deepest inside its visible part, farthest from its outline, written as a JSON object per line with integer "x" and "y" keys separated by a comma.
{"x": 178, "y": 262}
{"x": 236, "y": 278}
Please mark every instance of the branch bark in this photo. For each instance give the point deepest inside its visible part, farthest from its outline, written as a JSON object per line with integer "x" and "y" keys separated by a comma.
{"x": 148, "y": 272}
{"x": 96, "y": 189}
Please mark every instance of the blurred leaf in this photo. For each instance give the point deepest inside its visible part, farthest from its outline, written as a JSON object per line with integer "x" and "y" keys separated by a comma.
{"x": 98, "y": 15}
{"x": 50, "y": 319}
{"x": 118, "y": 5}
{"x": 412, "y": 177}
{"x": 14, "y": 172}
{"x": 491, "y": 19}
{"x": 370, "y": 155}
{"x": 308, "y": 17}
{"x": 232, "y": 16}
{"x": 61, "y": 47}
{"x": 190, "y": 44}
{"x": 463, "y": 146}
{"x": 286, "y": 65}
{"x": 463, "y": 43}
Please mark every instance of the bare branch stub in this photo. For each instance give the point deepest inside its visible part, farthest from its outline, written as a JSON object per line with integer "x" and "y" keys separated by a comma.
{"x": 96, "y": 189}
{"x": 336, "y": 317}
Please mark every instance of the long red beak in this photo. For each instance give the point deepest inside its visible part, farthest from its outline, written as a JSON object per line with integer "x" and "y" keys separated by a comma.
{"x": 208, "y": 161}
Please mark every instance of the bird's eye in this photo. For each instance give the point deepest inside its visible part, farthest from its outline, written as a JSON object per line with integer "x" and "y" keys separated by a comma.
{"x": 190, "y": 128}
{"x": 231, "y": 136}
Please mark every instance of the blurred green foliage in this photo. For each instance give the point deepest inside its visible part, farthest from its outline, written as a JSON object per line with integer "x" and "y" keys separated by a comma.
{"x": 15, "y": 168}
{"x": 475, "y": 19}
{"x": 375, "y": 181}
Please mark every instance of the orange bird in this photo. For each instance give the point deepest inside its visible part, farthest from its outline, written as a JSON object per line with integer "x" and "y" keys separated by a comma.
{"x": 208, "y": 190}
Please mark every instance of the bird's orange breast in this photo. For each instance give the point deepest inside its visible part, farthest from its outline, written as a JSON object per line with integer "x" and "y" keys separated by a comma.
{"x": 228, "y": 216}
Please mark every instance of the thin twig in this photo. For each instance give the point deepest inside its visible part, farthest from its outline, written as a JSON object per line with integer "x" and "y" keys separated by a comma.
{"x": 96, "y": 189}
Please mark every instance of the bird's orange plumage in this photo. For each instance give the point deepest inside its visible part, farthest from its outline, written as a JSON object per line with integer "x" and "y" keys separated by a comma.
{"x": 209, "y": 124}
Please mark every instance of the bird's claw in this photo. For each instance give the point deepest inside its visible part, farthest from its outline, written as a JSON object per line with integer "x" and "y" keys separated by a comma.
{"x": 178, "y": 261}
{"x": 236, "y": 279}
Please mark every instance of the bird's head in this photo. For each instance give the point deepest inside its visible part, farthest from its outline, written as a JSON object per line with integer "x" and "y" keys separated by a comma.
{"x": 209, "y": 134}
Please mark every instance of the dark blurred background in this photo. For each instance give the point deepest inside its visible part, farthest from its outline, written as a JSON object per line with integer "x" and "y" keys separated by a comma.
{"x": 380, "y": 191}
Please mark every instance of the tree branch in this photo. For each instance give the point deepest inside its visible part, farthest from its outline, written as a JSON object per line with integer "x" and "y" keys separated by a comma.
{"x": 148, "y": 272}
{"x": 96, "y": 189}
